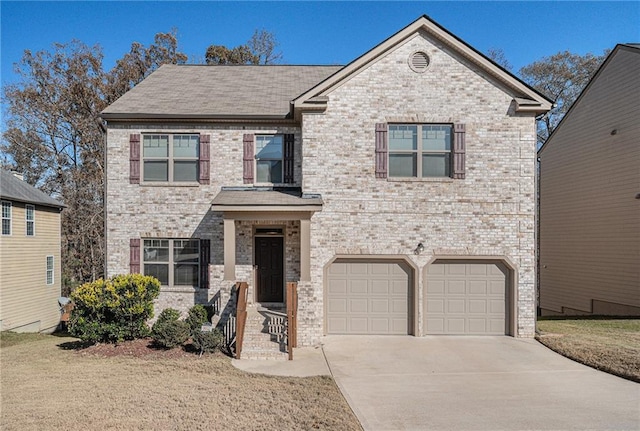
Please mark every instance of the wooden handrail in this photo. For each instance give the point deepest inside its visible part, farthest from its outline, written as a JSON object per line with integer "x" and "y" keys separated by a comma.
{"x": 241, "y": 315}
{"x": 292, "y": 317}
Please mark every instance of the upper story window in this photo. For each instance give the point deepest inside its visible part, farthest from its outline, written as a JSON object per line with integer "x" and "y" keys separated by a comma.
{"x": 6, "y": 218}
{"x": 30, "y": 218}
{"x": 170, "y": 158}
{"x": 420, "y": 150}
{"x": 268, "y": 159}
{"x": 269, "y": 153}
{"x": 174, "y": 262}
{"x": 49, "y": 273}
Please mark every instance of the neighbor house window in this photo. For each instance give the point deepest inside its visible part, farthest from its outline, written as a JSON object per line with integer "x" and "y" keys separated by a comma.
{"x": 420, "y": 150}
{"x": 30, "y": 218}
{"x": 170, "y": 158}
{"x": 6, "y": 218}
{"x": 175, "y": 262}
{"x": 49, "y": 270}
{"x": 269, "y": 154}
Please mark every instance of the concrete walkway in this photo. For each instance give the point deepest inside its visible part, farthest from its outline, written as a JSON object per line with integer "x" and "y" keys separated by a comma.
{"x": 475, "y": 383}
{"x": 307, "y": 361}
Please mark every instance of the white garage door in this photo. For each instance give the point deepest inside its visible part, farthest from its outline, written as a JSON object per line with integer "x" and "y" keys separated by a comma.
{"x": 466, "y": 297}
{"x": 368, "y": 298}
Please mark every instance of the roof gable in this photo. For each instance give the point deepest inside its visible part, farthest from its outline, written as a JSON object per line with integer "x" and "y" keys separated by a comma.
{"x": 526, "y": 98}
{"x": 14, "y": 189}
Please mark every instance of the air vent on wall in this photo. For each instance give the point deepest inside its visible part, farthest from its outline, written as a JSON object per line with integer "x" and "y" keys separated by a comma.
{"x": 419, "y": 61}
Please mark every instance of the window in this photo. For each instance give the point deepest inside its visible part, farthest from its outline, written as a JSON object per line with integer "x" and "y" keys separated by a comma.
{"x": 175, "y": 262}
{"x": 269, "y": 153}
{"x": 170, "y": 158}
{"x": 420, "y": 150}
{"x": 49, "y": 270}
{"x": 6, "y": 218}
{"x": 30, "y": 217}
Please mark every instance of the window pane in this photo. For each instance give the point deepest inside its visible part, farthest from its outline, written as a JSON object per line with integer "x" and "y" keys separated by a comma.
{"x": 30, "y": 212}
{"x": 156, "y": 146}
{"x": 185, "y": 275}
{"x": 159, "y": 271}
{"x": 436, "y": 138}
{"x": 156, "y": 250}
{"x": 185, "y": 171}
{"x": 6, "y": 210}
{"x": 30, "y": 230}
{"x": 185, "y": 146}
{"x": 185, "y": 251}
{"x": 436, "y": 165}
{"x": 269, "y": 147}
{"x": 49, "y": 272}
{"x": 403, "y": 165}
{"x": 156, "y": 171}
{"x": 269, "y": 171}
{"x": 403, "y": 137}
{"x": 6, "y": 227}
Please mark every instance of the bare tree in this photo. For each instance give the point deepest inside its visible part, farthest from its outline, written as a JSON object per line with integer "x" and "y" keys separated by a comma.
{"x": 260, "y": 49}
{"x": 264, "y": 45}
{"x": 500, "y": 58}
{"x": 561, "y": 77}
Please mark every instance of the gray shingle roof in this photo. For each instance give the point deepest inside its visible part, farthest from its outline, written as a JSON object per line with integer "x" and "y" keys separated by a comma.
{"x": 14, "y": 189}
{"x": 201, "y": 91}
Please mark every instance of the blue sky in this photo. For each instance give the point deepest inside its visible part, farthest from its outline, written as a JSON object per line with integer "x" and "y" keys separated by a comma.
{"x": 316, "y": 32}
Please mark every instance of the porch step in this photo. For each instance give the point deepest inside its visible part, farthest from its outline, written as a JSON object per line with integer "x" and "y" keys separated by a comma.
{"x": 264, "y": 335}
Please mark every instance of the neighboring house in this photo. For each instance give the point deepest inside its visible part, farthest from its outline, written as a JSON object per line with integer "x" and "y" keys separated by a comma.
{"x": 30, "y": 267}
{"x": 590, "y": 197}
{"x": 397, "y": 191}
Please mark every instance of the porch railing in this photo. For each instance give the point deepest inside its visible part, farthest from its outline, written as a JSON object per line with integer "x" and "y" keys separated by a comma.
{"x": 292, "y": 317}
{"x": 241, "y": 315}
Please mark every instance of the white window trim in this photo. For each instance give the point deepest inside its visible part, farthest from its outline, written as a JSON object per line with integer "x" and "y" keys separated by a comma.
{"x": 255, "y": 159}
{"x": 419, "y": 152}
{"x": 10, "y": 218}
{"x": 27, "y": 221}
{"x": 170, "y": 161}
{"x": 52, "y": 270}
{"x": 171, "y": 262}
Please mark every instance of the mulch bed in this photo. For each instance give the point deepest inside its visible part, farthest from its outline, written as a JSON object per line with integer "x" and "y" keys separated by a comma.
{"x": 141, "y": 348}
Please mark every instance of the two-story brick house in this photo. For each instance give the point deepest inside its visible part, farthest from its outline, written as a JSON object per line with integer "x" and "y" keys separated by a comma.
{"x": 397, "y": 191}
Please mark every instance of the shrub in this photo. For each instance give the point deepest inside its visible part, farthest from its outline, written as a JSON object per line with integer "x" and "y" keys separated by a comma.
{"x": 115, "y": 309}
{"x": 197, "y": 317}
{"x": 170, "y": 333}
{"x": 168, "y": 314}
{"x": 207, "y": 341}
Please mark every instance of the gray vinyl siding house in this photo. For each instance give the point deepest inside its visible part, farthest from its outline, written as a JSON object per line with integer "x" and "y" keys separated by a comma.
{"x": 396, "y": 191}
{"x": 590, "y": 197}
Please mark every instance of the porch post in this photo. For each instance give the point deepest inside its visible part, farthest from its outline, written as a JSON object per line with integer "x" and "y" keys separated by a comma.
{"x": 229, "y": 249}
{"x": 305, "y": 250}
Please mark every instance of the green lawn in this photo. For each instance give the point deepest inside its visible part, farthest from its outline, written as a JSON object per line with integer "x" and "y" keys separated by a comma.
{"x": 611, "y": 345}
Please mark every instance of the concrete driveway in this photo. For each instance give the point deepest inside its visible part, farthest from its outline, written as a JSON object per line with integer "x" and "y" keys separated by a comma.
{"x": 475, "y": 383}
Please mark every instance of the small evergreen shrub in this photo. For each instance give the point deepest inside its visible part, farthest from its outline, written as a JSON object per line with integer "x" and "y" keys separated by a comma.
{"x": 168, "y": 314}
{"x": 115, "y": 309}
{"x": 197, "y": 317}
{"x": 207, "y": 341}
{"x": 170, "y": 333}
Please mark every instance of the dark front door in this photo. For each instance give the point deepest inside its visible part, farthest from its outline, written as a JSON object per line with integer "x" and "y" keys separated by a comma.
{"x": 269, "y": 263}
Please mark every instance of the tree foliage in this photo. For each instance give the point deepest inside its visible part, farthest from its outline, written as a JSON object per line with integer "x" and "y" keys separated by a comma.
{"x": 561, "y": 77}
{"x": 54, "y": 134}
{"x": 260, "y": 49}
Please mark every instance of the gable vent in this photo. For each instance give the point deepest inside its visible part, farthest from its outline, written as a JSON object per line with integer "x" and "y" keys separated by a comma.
{"x": 419, "y": 61}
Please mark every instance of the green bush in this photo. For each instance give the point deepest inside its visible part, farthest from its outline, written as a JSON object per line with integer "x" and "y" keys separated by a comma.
{"x": 197, "y": 317}
{"x": 168, "y": 314}
{"x": 206, "y": 341}
{"x": 115, "y": 309}
{"x": 170, "y": 333}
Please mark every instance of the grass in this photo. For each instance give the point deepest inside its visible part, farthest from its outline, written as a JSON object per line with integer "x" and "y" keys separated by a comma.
{"x": 47, "y": 384}
{"x": 610, "y": 345}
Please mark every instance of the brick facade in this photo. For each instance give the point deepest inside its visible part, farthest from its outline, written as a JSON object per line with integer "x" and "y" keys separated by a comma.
{"x": 489, "y": 213}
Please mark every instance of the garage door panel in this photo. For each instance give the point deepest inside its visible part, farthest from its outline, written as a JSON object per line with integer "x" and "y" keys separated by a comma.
{"x": 465, "y": 298}
{"x": 376, "y": 298}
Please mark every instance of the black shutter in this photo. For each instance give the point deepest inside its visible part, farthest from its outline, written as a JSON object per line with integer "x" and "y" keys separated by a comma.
{"x": 289, "y": 141}
{"x": 205, "y": 253}
{"x": 247, "y": 158}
